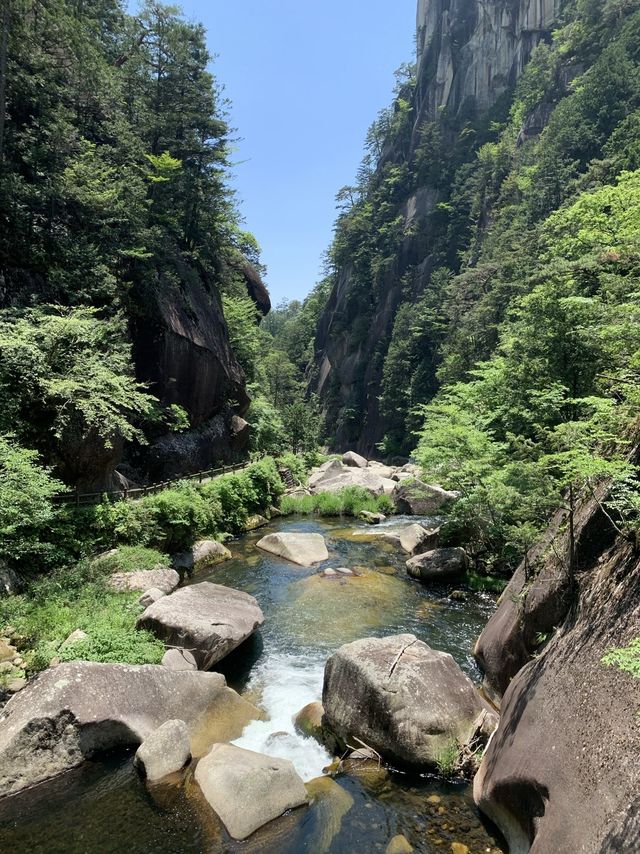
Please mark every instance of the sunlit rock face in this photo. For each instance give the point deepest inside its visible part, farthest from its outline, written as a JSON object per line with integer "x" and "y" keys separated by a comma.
{"x": 470, "y": 53}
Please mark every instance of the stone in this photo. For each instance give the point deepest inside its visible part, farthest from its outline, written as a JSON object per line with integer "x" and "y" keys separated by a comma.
{"x": 401, "y": 698}
{"x": 74, "y": 637}
{"x": 415, "y": 498}
{"x": 7, "y": 652}
{"x": 343, "y": 570}
{"x": 10, "y": 582}
{"x": 439, "y": 565}
{"x": 165, "y": 751}
{"x": 15, "y": 685}
{"x": 204, "y": 555}
{"x": 179, "y": 659}
{"x": 399, "y": 845}
{"x": 246, "y": 789}
{"x": 387, "y": 472}
{"x": 78, "y": 709}
{"x": 308, "y": 721}
{"x": 207, "y": 619}
{"x": 302, "y": 549}
{"x": 162, "y": 578}
{"x": 372, "y": 518}
{"x": 151, "y": 596}
{"x": 337, "y": 477}
{"x": 413, "y": 538}
{"x": 254, "y": 522}
{"x": 331, "y": 803}
{"x": 459, "y": 848}
{"x": 330, "y": 573}
{"x": 354, "y": 460}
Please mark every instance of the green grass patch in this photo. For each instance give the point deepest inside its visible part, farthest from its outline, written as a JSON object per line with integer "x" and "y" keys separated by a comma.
{"x": 447, "y": 758}
{"x": 132, "y": 559}
{"x": 57, "y": 604}
{"x": 350, "y": 501}
{"x": 486, "y": 583}
{"x": 626, "y": 658}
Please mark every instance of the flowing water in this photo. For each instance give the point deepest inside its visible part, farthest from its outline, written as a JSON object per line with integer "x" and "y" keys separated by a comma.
{"x": 104, "y": 807}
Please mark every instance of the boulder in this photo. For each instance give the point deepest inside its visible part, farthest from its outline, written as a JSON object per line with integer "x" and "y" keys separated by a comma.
{"x": 247, "y": 789}
{"x": 399, "y": 845}
{"x": 203, "y": 555}
{"x": 303, "y": 549}
{"x": 439, "y": 565}
{"x": 7, "y": 652}
{"x": 74, "y": 637}
{"x": 384, "y": 471}
{"x": 179, "y": 659}
{"x": 207, "y": 619}
{"x": 10, "y": 582}
{"x": 78, "y": 709}
{"x": 401, "y": 698}
{"x": 338, "y": 477}
{"x": 414, "y": 538}
{"x": 389, "y": 487}
{"x": 308, "y": 722}
{"x": 415, "y": 498}
{"x": 354, "y": 460}
{"x": 165, "y": 751}
{"x": 254, "y": 522}
{"x": 372, "y": 518}
{"x": 144, "y": 579}
{"x": 151, "y": 596}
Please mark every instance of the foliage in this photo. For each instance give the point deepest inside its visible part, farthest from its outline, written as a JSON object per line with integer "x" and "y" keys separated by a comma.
{"x": 132, "y": 559}
{"x": 625, "y": 658}
{"x": 350, "y": 501}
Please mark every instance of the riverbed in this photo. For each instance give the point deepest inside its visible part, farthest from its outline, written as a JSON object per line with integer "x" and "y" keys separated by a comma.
{"x": 104, "y": 807}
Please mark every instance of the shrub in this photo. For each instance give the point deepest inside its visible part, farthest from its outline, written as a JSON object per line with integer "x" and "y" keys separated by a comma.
{"x": 132, "y": 559}
{"x": 350, "y": 501}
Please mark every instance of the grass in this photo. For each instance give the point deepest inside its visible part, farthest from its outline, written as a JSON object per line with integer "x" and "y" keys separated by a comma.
{"x": 486, "y": 583}
{"x": 57, "y": 604}
{"x": 447, "y": 758}
{"x": 132, "y": 559}
{"x": 350, "y": 501}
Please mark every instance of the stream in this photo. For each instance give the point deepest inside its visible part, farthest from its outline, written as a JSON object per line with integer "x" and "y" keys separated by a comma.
{"x": 104, "y": 807}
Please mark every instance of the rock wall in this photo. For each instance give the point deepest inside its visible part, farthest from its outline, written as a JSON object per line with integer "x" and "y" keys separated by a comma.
{"x": 561, "y": 773}
{"x": 469, "y": 54}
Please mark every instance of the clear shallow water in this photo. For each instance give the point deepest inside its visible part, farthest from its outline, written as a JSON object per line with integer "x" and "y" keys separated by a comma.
{"x": 104, "y": 807}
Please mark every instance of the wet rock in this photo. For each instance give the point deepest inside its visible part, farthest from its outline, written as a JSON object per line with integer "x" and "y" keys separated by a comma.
{"x": 203, "y": 555}
{"x": 330, "y": 803}
{"x": 179, "y": 659}
{"x": 459, "y": 848}
{"x": 247, "y": 789}
{"x": 78, "y": 709}
{"x": 372, "y": 518}
{"x": 151, "y": 596}
{"x": 10, "y": 582}
{"x": 413, "y": 538}
{"x": 343, "y": 570}
{"x": 161, "y": 578}
{"x": 207, "y": 619}
{"x": 439, "y": 565}
{"x": 399, "y": 845}
{"x": 415, "y": 498}
{"x": 308, "y": 722}
{"x": 400, "y": 697}
{"x": 254, "y": 522}
{"x": 354, "y": 460}
{"x": 303, "y": 549}
{"x": 165, "y": 751}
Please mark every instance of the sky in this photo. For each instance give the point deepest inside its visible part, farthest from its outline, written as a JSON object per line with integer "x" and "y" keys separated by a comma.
{"x": 306, "y": 79}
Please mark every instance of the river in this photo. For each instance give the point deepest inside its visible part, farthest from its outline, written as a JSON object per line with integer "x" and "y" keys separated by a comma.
{"x": 104, "y": 807}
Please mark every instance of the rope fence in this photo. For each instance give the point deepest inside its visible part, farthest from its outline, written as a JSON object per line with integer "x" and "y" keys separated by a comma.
{"x": 82, "y": 498}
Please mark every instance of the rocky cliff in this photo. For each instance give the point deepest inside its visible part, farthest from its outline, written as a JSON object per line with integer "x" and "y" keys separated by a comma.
{"x": 469, "y": 55}
{"x": 561, "y": 773}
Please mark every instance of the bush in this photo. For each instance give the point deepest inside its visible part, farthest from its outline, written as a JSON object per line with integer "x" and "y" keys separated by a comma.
{"x": 131, "y": 559}
{"x": 348, "y": 502}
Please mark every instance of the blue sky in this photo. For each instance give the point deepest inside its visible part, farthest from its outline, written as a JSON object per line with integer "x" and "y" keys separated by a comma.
{"x": 306, "y": 80}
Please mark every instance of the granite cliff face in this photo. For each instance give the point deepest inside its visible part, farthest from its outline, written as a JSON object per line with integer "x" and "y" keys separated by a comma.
{"x": 469, "y": 55}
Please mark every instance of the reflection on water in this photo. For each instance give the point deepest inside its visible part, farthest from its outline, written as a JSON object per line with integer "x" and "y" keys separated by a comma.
{"x": 103, "y": 807}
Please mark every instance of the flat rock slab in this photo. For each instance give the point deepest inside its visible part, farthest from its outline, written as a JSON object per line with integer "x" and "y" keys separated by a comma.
{"x": 207, "y": 619}
{"x": 73, "y": 711}
{"x": 400, "y": 697}
{"x": 162, "y": 579}
{"x": 247, "y": 789}
{"x": 303, "y": 549}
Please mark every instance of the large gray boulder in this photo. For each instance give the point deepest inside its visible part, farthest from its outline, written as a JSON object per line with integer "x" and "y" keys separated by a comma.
{"x": 354, "y": 460}
{"x": 207, "y": 619}
{"x": 303, "y": 549}
{"x": 415, "y": 498}
{"x": 405, "y": 700}
{"x": 204, "y": 555}
{"x": 165, "y": 751}
{"x": 247, "y": 789}
{"x": 73, "y": 711}
{"x": 414, "y": 538}
{"x": 161, "y": 578}
{"x": 337, "y": 477}
{"x": 439, "y": 565}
